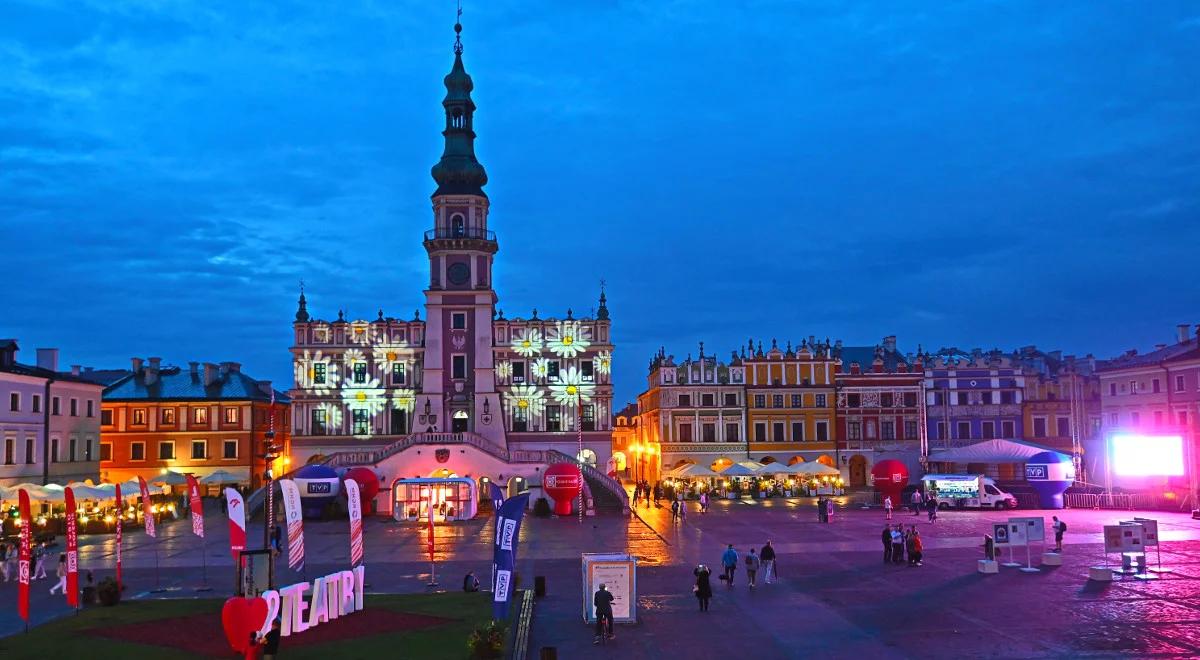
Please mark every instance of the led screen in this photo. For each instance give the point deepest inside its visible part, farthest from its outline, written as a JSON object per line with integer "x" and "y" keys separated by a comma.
{"x": 1147, "y": 455}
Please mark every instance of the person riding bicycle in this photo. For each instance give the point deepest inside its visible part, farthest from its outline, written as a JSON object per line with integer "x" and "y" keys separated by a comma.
{"x": 604, "y": 614}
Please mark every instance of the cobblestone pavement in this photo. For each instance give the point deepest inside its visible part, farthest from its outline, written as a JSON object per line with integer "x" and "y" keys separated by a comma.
{"x": 835, "y": 597}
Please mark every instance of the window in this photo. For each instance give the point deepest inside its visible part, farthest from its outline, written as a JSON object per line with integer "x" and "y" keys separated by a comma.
{"x": 963, "y": 398}
{"x": 397, "y": 373}
{"x": 587, "y": 371}
{"x": 964, "y": 430}
{"x": 55, "y": 407}
{"x": 760, "y": 432}
{"x": 106, "y": 451}
{"x": 554, "y": 418}
{"x": 822, "y": 431}
{"x": 399, "y": 421}
{"x": 137, "y": 451}
{"x": 318, "y": 370}
{"x": 588, "y": 418}
{"x": 139, "y": 416}
{"x": 14, "y": 402}
{"x": 518, "y": 372}
{"x": 797, "y": 401}
{"x": 1008, "y": 396}
{"x": 75, "y": 406}
{"x": 888, "y": 430}
{"x": 853, "y": 430}
{"x": 1008, "y": 429}
{"x": 1133, "y": 388}
{"x": 361, "y": 422}
{"x": 168, "y": 416}
{"x": 552, "y": 371}
{"x": 777, "y": 429}
{"x": 360, "y": 372}
{"x": 520, "y": 418}
{"x": 91, "y": 408}
{"x": 166, "y": 451}
{"x": 797, "y": 431}
{"x": 1158, "y": 418}
{"x": 1039, "y": 427}
{"x": 760, "y": 401}
{"x": 200, "y": 415}
{"x": 87, "y": 451}
{"x": 318, "y": 422}
{"x": 820, "y": 400}
{"x": 941, "y": 431}
{"x": 458, "y": 367}
{"x": 708, "y": 432}
{"x": 458, "y": 227}
{"x": 1112, "y": 389}
{"x": 1178, "y": 387}
{"x": 730, "y": 399}
{"x": 731, "y": 432}
{"x": 30, "y": 453}
{"x": 231, "y": 415}
{"x": 199, "y": 450}
{"x": 1154, "y": 386}
{"x": 886, "y": 400}
{"x": 1183, "y": 420}
{"x": 685, "y": 400}
{"x": 853, "y": 400}
{"x": 229, "y": 449}
{"x": 1114, "y": 418}
{"x": 71, "y": 449}
{"x": 10, "y": 450}
{"x": 870, "y": 429}
{"x": 777, "y": 401}
{"x": 910, "y": 430}
{"x": 989, "y": 430}
{"x": 685, "y": 433}
{"x": 37, "y": 403}
{"x": 458, "y": 320}
{"x": 708, "y": 399}
{"x": 910, "y": 399}
{"x": 1135, "y": 418}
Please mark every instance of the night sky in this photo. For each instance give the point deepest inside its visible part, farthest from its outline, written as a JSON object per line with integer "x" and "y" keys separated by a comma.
{"x": 955, "y": 173}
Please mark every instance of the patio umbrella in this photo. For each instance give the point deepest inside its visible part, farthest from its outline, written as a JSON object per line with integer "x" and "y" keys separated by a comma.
{"x": 694, "y": 471}
{"x": 220, "y": 477}
{"x": 168, "y": 479}
{"x": 816, "y": 469}
{"x": 85, "y": 491}
{"x": 740, "y": 470}
{"x": 775, "y": 469}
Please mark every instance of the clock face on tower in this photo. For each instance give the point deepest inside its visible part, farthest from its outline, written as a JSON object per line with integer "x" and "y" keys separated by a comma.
{"x": 459, "y": 273}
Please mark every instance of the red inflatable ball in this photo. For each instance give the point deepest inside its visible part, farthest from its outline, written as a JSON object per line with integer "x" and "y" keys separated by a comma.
{"x": 889, "y": 478}
{"x": 368, "y": 484}
{"x": 562, "y": 482}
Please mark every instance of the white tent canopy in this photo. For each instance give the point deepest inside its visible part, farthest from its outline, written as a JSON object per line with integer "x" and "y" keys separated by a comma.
{"x": 694, "y": 471}
{"x": 988, "y": 451}
{"x": 776, "y": 468}
{"x": 220, "y": 477}
{"x": 814, "y": 469}
{"x": 743, "y": 469}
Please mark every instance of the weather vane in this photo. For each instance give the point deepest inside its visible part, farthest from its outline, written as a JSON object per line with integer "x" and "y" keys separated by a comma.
{"x": 458, "y": 30}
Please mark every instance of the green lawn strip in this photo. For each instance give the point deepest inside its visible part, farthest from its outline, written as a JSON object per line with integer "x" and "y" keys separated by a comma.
{"x": 64, "y": 637}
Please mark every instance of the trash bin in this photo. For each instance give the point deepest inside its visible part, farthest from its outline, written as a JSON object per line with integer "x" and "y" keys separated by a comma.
{"x": 539, "y": 586}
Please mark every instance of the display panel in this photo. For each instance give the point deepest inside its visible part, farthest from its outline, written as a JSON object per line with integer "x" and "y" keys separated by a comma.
{"x": 1146, "y": 455}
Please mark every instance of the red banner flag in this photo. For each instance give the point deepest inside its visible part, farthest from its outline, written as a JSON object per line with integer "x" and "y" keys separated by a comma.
{"x": 147, "y": 512}
{"x": 354, "y": 506}
{"x": 431, "y": 509}
{"x": 196, "y": 506}
{"x": 120, "y": 516}
{"x": 72, "y": 550}
{"x": 23, "y": 558}
{"x": 295, "y": 523}
{"x": 237, "y": 522}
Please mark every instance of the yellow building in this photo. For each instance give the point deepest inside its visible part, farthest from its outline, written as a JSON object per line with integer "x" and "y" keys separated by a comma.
{"x": 791, "y": 402}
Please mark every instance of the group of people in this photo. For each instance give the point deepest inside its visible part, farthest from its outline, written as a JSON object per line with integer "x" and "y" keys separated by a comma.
{"x": 39, "y": 555}
{"x": 916, "y": 503}
{"x": 755, "y": 561}
{"x": 678, "y": 510}
{"x": 642, "y": 490}
{"x": 897, "y": 543}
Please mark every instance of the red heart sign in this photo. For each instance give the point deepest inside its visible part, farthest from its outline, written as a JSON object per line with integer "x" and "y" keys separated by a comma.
{"x": 240, "y": 617}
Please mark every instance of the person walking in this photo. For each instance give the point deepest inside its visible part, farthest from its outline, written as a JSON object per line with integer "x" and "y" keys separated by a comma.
{"x": 752, "y": 564}
{"x": 703, "y": 587}
{"x": 916, "y": 502}
{"x": 4, "y": 565}
{"x": 918, "y": 548}
{"x": 887, "y": 507}
{"x": 604, "y": 614}
{"x": 682, "y": 511}
{"x": 39, "y": 562}
{"x": 729, "y": 562}
{"x": 674, "y": 510}
{"x": 897, "y": 545}
{"x": 1060, "y": 528}
{"x": 767, "y": 554}
{"x": 703, "y": 502}
{"x": 887, "y": 544}
{"x": 931, "y": 506}
{"x": 61, "y": 573}
{"x": 821, "y": 508}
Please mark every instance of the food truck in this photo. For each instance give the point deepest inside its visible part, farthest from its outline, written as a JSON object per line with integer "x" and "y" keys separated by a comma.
{"x": 960, "y": 491}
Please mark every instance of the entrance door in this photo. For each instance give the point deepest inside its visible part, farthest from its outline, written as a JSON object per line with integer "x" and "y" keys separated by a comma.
{"x": 858, "y": 471}
{"x": 458, "y": 424}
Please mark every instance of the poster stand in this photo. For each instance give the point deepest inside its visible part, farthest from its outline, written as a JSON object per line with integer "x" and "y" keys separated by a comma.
{"x": 618, "y": 572}
{"x": 1150, "y": 527}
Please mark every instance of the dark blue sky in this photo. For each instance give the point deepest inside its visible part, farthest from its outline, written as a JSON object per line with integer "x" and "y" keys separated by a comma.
{"x": 969, "y": 173}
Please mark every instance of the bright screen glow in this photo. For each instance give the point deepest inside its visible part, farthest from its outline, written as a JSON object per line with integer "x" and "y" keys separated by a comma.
{"x": 1147, "y": 455}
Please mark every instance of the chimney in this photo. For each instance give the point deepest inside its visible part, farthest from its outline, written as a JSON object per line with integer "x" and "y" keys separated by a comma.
{"x": 231, "y": 367}
{"x": 75, "y": 369}
{"x": 47, "y": 358}
{"x": 194, "y": 368}
{"x": 1183, "y": 330}
{"x": 889, "y": 343}
{"x": 210, "y": 373}
{"x": 265, "y": 386}
{"x": 152, "y": 371}
{"x": 136, "y": 364}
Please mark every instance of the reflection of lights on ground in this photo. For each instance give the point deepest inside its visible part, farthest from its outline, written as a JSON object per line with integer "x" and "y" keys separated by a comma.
{"x": 530, "y": 344}
{"x": 569, "y": 340}
{"x": 604, "y": 362}
{"x": 527, "y": 398}
{"x": 570, "y": 388}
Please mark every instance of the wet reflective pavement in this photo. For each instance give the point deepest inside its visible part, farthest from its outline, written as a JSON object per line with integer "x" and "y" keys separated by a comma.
{"x": 836, "y": 598}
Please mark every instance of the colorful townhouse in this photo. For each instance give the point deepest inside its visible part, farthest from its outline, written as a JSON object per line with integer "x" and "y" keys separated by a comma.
{"x": 971, "y": 397}
{"x": 1061, "y": 405}
{"x": 791, "y": 402}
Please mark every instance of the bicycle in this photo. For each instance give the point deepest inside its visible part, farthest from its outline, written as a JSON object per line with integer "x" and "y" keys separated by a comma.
{"x": 605, "y": 624}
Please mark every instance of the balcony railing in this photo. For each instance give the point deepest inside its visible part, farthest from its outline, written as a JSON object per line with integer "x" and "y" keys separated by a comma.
{"x": 460, "y": 232}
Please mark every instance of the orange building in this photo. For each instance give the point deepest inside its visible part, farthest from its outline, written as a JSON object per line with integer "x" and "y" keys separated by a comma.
{"x": 198, "y": 420}
{"x": 791, "y": 402}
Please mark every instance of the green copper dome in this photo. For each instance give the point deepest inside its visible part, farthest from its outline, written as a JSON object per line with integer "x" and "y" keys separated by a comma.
{"x": 459, "y": 172}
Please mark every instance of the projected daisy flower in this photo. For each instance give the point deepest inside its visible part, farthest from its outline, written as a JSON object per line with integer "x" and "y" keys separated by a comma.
{"x": 503, "y": 370}
{"x": 369, "y": 396}
{"x": 529, "y": 345}
{"x": 333, "y": 415}
{"x": 527, "y": 398}
{"x": 404, "y": 399}
{"x": 315, "y": 375}
{"x": 604, "y": 362}
{"x": 569, "y": 341}
{"x": 386, "y": 353}
{"x": 570, "y": 388}
{"x": 540, "y": 368}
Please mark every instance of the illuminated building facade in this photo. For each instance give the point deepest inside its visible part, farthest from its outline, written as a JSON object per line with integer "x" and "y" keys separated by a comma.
{"x": 624, "y": 439}
{"x": 694, "y": 411}
{"x": 879, "y": 407}
{"x": 201, "y": 419}
{"x": 465, "y": 390}
{"x": 791, "y": 402}
{"x": 1061, "y": 406}
{"x": 971, "y": 397}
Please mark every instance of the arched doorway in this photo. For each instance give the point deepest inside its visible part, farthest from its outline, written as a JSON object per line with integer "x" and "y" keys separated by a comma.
{"x": 458, "y": 424}
{"x": 587, "y": 456}
{"x": 858, "y": 471}
{"x": 517, "y": 485}
{"x": 619, "y": 461}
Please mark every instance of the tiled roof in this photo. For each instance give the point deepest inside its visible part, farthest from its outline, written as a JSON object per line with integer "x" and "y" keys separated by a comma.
{"x": 176, "y": 384}
{"x": 104, "y": 376}
{"x": 865, "y": 357}
{"x": 38, "y": 372}
{"x": 1179, "y": 351}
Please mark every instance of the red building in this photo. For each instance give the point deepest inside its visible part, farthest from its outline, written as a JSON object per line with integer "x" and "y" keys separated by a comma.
{"x": 879, "y": 407}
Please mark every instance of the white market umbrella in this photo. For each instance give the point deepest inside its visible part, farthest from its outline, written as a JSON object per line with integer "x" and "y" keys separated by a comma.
{"x": 695, "y": 471}
{"x": 220, "y": 477}
{"x": 816, "y": 469}
{"x": 168, "y": 479}
{"x": 88, "y": 492}
{"x": 775, "y": 469}
{"x": 740, "y": 470}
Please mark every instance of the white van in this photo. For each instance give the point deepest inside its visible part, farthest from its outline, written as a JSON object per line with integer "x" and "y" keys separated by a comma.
{"x": 973, "y": 491}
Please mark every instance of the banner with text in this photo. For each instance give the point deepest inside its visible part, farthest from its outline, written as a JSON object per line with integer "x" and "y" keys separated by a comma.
{"x": 504, "y": 552}
{"x": 295, "y": 523}
{"x": 237, "y": 522}
{"x": 72, "y": 549}
{"x": 147, "y": 512}
{"x": 26, "y": 553}
{"x": 120, "y": 516}
{"x": 354, "y": 505}
{"x": 196, "y": 505}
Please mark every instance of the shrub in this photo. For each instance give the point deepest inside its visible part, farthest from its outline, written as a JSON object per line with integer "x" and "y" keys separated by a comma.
{"x": 487, "y": 641}
{"x": 541, "y": 508}
{"x": 109, "y": 592}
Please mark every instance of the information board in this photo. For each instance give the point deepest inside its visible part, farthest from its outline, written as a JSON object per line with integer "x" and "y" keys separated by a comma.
{"x": 1149, "y": 530}
{"x": 618, "y": 574}
{"x": 1000, "y": 534}
{"x": 1033, "y": 528}
{"x": 1124, "y": 538}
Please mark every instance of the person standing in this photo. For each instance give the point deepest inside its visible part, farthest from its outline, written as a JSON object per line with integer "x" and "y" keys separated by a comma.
{"x": 909, "y": 548}
{"x": 703, "y": 587}
{"x": 682, "y": 511}
{"x": 918, "y": 552}
{"x": 829, "y": 509}
{"x": 1060, "y": 528}
{"x": 916, "y": 502}
{"x": 61, "y": 574}
{"x": 674, "y": 510}
{"x": 4, "y": 566}
{"x": 887, "y": 507}
{"x": 270, "y": 641}
{"x": 752, "y": 564}
{"x": 470, "y": 582}
{"x": 931, "y": 506}
{"x": 729, "y": 562}
{"x": 887, "y": 544}
{"x": 703, "y": 502}
{"x": 768, "y": 562}
{"x": 604, "y": 614}
{"x": 39, "y": 562}
{"x": 897, "y": 545}
{"x": 821, "y": 508}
